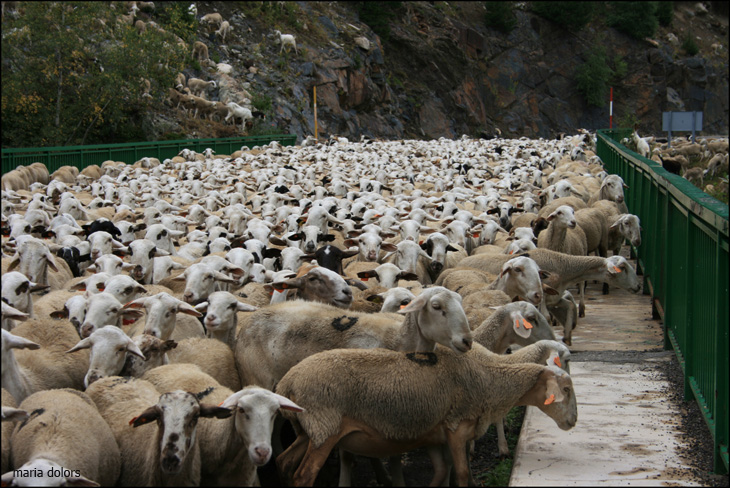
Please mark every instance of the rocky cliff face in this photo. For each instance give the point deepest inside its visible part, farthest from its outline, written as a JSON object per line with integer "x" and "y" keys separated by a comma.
{"x": 442, "y": 73}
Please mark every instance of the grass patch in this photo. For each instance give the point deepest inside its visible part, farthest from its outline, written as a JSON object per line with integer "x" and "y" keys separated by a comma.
{"x": 496, "y": 471}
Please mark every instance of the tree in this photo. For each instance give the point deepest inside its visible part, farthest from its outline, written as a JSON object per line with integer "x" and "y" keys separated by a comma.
{"x": 73, "y": 73}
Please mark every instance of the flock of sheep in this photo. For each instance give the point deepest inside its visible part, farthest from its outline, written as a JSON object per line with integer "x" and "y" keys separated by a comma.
{"x": 367, "y": 292}
{"x": 191, "y": 95}
{"x": 683, "y": 155}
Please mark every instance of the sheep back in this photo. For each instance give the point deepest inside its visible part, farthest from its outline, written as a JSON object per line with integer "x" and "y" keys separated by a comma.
{"x": 212, "y": 356}
{"x": 66, "y": 425}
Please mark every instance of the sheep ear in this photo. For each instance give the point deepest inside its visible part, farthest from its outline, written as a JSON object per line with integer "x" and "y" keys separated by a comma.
{"x": 186, "y": 308}
{"x": 277, "y": 241}
{"x": 149, "y": 415}
{"x": 521, "y": 326}
{"x": 82, "y": 344}
{"x": 417, "y": 304}
{"x": 406, "y": 275}
{"x": 366, "y": 275}
{"x": 549, "y": 290}
{"x": 11, "y": 414}
{"x": 286, "y": 404}
{"x": 138, "y": 303}
{"x": 134, "y": 349}
{"x": 17, "y": 342}
{"x": 356, "y": 283}
{"x": 202, "y": 307}
{"x": 214, "y": 411}
{"x": 553, "y": 393}
{"x": 245, "y": 307}
{"x": 389, "y": 247}
{"x": 80, "y": 481}
{"x": 375, "y": 299}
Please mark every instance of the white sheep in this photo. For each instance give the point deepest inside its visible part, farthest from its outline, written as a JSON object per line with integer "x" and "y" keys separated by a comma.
{"x": 162, "y": 309}
{"x": 26, "y": 372}
{"x": 286, "y": 39}
{"x": 214, "y": 19}
{"x": 10, "y": 315}
{"x": 424, "y": 314}
{"x": 238, "y": 112}
{"x": 325, "y": 384}
{"x": 231, "y": 449}
{"x": 642, "y": 147}
{"x": 65, "y": 434}
{"x": 200, "y": 87}
{"x": 225, "y": 28}
{"x": 220, "y": 321}
{"x": 165, "y": 452}
{"x": 108, "y": 348}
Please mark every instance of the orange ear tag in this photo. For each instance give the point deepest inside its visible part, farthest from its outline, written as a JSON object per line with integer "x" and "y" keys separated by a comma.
{"x": 475, "y": 236}
{"x": 557, "y": 361}
{"x": 128, "y": 321}
{"x": 526, "y": 324}
{"x": 364, "y": 279}
{"x": 511, "y": 252}
{"x": 618, "y": 270}
{"x": 550, "y": 400}
{"x": 132, "y": 421}
{"x": 403, "y": 306}
{"x": 517, "y": 323}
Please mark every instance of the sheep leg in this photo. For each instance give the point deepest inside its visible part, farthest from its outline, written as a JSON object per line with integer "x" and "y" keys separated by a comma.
{"x": 501, "y": 438}
{"x": 396, "y": 473}
{"x": 314, "y": 459}
{"x": 347, "y": 459}
{"x": 441, "y": 461}
{"x": 288, "y": 461}
{"x": 456, "y": 441}
{"x": 582, "y": 305}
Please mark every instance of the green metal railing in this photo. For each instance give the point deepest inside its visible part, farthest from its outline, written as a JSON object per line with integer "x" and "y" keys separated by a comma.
{"x": 684, "y": 258}
{"x": 83, "y": 156}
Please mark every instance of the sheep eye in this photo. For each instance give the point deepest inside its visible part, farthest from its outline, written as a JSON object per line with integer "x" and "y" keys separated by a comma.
{"x": 405, "y": 302}
{"x": 566, "y": 389}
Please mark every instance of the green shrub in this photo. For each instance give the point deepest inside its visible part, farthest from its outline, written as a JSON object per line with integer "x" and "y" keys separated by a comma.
{"x": 175, "y": 17}
{"x": 261, "y": 102}
{"x": 665, "y": 13}
{"x": 620, "y": 68}
{"x": 635, "y": 19}
{"x": 499, "y": 16}
{"x": 689, "y": 45}
{"x": 571, "y": 16}
{"x": 593, "y": 77}
{"x": 378, "y": 16}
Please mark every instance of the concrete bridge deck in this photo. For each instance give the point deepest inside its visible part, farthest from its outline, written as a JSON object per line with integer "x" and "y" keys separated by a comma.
{"x": 628, "y": 428}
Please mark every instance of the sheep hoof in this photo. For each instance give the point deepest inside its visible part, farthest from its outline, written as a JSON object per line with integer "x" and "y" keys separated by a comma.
{"x": 568, "y": 341}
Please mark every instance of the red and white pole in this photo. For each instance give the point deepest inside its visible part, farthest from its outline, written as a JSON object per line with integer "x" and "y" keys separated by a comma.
{"x": 610, "y": 111}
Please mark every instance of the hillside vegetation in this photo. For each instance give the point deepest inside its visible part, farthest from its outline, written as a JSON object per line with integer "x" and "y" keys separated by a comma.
{"x": 84, "y": 73}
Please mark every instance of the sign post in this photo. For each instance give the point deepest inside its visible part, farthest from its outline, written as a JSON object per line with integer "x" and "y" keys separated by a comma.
{"x": 316, "y": 137}
{"x": 610, "y": 111}
{"x": 681, "y": 121}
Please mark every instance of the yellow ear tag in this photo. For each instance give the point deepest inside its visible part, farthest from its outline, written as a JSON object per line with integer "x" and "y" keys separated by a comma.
{"x": 550, "y": 400}
{"x": 526, "y": 324}
{"x": 557, "y": 361}
{"x": 618, "y": 270}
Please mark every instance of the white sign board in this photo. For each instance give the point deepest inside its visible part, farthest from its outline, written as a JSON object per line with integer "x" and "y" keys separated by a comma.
{"x": 681, "y": 121}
